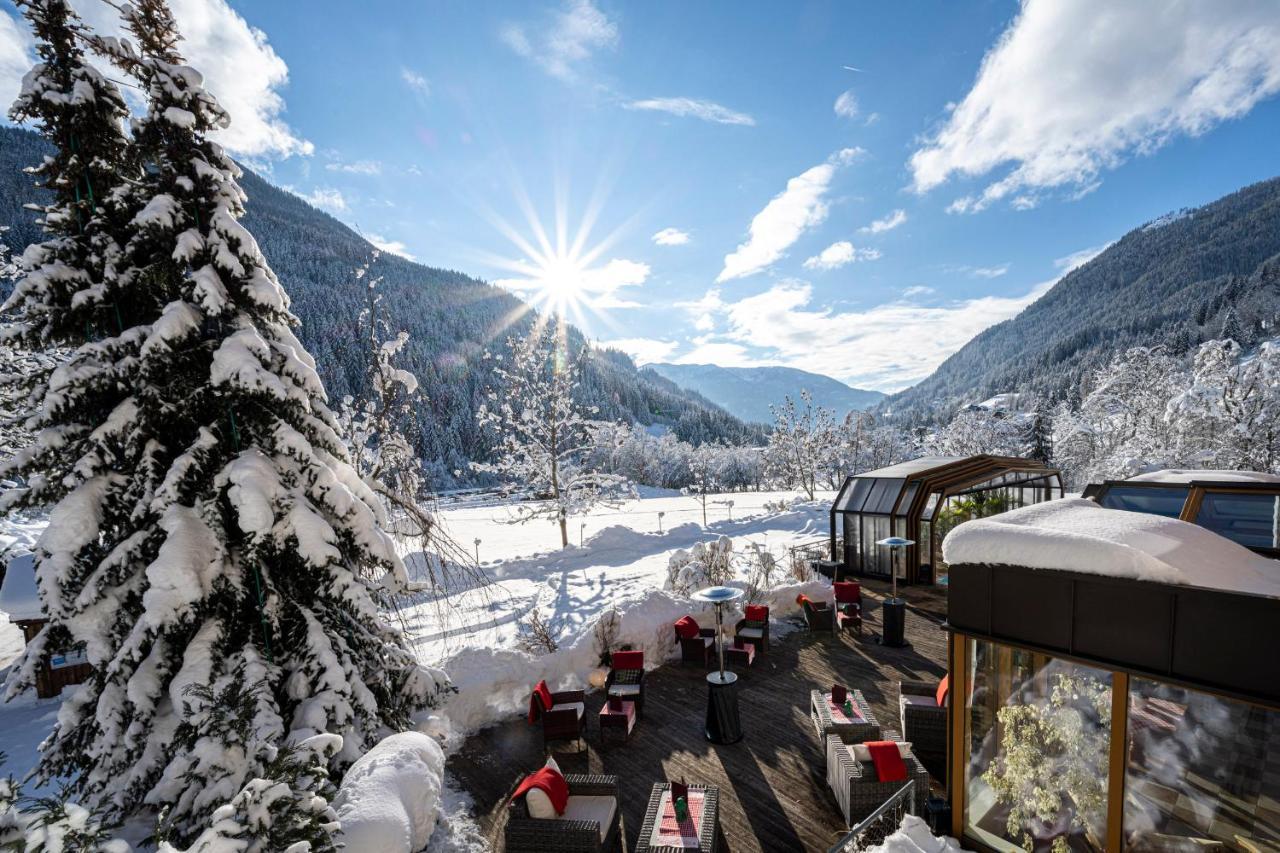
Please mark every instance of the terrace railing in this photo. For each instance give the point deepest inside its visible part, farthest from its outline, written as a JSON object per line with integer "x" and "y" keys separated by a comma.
{"x": 881, "y": 823}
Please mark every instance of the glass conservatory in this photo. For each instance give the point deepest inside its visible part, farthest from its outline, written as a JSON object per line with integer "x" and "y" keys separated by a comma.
{"x": 923, "y": 500}
{"x": 1105, "y": 708}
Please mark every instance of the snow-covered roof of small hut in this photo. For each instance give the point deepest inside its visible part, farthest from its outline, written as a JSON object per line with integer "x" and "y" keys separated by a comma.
{"x": 1201, "y": 475}
{"x": 1074, "y": 534}
{"x": 18, "y": 595}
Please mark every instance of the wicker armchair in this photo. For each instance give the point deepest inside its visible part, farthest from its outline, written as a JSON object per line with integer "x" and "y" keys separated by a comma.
{"x": 818, "y": 615}
{"x": 566, "y": 719}
{"x": 699, "y": 649}
{"x": 579, "y": 830}
{"x": 857, "y": 789}
{"x": 848, "y": 606}
{"x": 924, "y": 721}
{"x": 754, "y": 629}
{"x": 626, "y": 678}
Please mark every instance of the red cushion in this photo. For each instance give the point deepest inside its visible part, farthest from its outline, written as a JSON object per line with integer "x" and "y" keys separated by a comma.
{"x": 888, "y": 760}
{"x": 552, "y": 783}
{"x": 627, "y": 660}
{"x": 686, "y": 628}
{"x": 848, "y": 592}
{"x": 757, "y": 613}
{"x": 544, "y": 695}
{"x": 802, "y": 599}
{"x": 944, "y": 686}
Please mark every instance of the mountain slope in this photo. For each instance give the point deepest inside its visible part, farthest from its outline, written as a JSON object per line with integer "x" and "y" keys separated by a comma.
{"x": 451, "y": 319}
{"x": 1176, "y": 281}
{"x": 748, "y": 392}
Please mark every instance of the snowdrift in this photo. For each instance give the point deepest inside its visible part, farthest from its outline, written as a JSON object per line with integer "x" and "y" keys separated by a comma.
{"x": 390, "y": 798}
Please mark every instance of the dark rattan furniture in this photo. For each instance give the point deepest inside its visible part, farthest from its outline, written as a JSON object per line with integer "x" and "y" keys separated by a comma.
{"x": 868, "y": 728}
{"x": 622, "y": 721}
{"x": 754, "y": 630}
{"x": 525, "y": 834}
{"x": 566, "y": 719}
{"x": 923, "y": 721}
{"x": 819, "y": 616}
{"x": 708, "y": 829}
{"x": 848, "y": 606}
{"x": 626, "y": 678}
{"x": 857, "y": 789}
{"x": 699, "y": 649}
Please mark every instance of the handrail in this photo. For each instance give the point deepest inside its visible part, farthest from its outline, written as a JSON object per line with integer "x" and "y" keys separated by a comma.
{"x": 853, "y": 841}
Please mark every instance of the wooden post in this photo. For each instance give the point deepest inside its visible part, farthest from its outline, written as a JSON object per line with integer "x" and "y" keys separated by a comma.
{"x": 1119, "y": 760}
{"x": 958, "y": 667}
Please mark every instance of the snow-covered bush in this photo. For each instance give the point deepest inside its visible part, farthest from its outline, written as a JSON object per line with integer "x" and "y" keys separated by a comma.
{"x": 762, "y": 572}
{"x": 390, "y": 799}
{"x": 706, "y": 564}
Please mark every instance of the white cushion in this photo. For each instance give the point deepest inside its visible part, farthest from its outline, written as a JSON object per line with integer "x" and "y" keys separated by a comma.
{"x": 624, "y": 690}
{"x": 751, "y": 633}
{"x": 707, "y": 641}
{"x": 917, "y": 699}
{"x": 539, "y": 804}
{"x": 565, "y": 706}
{"x": 551, "y": 762}
{"x": 597, "y": 809}
{"x": 860, "y": 752}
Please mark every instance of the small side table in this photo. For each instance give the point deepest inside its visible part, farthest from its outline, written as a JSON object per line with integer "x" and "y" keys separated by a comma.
{"x": 741, "y": 657}
{"x": 708, "y": 825}
{"x": 623, "y": 721}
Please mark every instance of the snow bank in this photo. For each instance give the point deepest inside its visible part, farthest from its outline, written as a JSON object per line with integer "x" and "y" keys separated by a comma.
{"x": 1078, "y": 535}
{"x": 1187, "y": 475}
{"x": 913, "y": 836}
{"x": 389, "y": 799}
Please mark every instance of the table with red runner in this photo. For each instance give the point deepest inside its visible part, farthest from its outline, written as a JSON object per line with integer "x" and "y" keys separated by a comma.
{"x": 662, "y": 833}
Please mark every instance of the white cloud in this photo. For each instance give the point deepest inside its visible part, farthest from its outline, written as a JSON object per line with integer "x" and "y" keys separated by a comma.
{"x": 838, "y": 255}
{"x": 1072, "y": 89}
{"x": 240, "y": 69}
{"x": 599, "y": 288}
{"x": 790, "y": 213}
{"x": 325, "y": 198}
{"x": 395, "y": 247}
{"x": 360, "y": 167}
{"x": 575, "y": 32}
{"x": 989, "y": 272}
{"x": 887, "y": 223}
{"x": 846, "y": 106}
{"x": 671, "y": 237}
{"x": 693, "y": 108}
{"x": 1069, "y": 262}
{"x": 16, "y": 58}
{"x": 917, "y": 290}
{"x": 864, "y": 348}
{"x": 642, "y": 350}
{"x": 721, "y": 353}
{"x": 415, "y": 81}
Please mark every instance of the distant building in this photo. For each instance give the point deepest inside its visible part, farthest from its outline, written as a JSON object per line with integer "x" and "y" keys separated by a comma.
{"x": 20, "y": 600}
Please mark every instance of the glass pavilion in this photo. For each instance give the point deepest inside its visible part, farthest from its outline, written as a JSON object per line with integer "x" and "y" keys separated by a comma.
{"x": 923, "y": 500}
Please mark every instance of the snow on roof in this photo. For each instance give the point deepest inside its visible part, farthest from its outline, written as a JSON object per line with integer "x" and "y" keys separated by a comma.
{"x": 18, "y": 595}
{"x": 911, "y": 466}
{"x": 1075, "y": 534}
{"x": 1188, "y": 475}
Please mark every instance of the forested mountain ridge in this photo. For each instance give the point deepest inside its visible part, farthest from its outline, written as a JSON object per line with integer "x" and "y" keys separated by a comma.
{"x": 1179, "y": 280}
{"x": 451, "y": 319}
{"x": 748, "y": 392}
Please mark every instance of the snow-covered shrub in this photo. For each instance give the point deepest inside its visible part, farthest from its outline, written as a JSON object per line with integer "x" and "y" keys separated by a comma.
{"x": 390, "y": 798}
{"x": 706, "y": 564}
{"x": 536, "y": 636}
{"x": 762, "y": 572}
{"x": 606, "y": 634}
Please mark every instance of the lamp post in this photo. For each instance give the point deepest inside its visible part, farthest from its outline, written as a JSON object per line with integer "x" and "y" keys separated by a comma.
{"x": 894, "y": 609}
{"x": 477, "y": 552}
{"x": 660, "y": 515}
{"x": 582, "y": 531}
{"x": 723, "y": 722}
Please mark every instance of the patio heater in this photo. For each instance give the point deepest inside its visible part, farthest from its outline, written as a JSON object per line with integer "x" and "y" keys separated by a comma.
{"x": 894, "y": 611}
{"x": 723, "y": 722}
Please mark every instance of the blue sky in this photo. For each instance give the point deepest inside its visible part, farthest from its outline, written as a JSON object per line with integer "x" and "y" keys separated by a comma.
{"x": 861, "y": 223}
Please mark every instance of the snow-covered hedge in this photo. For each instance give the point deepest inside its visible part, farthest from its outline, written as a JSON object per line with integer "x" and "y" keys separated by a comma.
{"x": 390, "y": 798}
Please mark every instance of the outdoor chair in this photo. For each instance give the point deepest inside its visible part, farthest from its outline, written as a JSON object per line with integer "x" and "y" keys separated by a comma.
{"x": 848, "y": 606}
{"x": 696, "y": 644}
{"x": 562, "y": 715}
{"x": 626, "y": 677}
{"x": 753, "y": 627}
{"x": 590, "y": 823}
{"x": 922, "y": 710}
{"x": 817, "y": 615}
{"x": 855, "y": 784}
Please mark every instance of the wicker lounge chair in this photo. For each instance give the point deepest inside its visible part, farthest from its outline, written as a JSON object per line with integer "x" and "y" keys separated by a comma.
{"x": 924, "y": 721}
{"x": 754, "y": 627}
{"x": 626, "y": 677}
{"x": 818, "y": 615}
{"x": 566, "y": 719}
{"x": 697, "y": 649}
{"x": 590, "y": 823}
{"x": 848, "y": 606}
{"x": 857, "y": 789}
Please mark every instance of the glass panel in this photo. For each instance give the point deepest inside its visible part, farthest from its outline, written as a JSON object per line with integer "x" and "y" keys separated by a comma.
{"x": 904, "y": 503}
{"x": 1253, "y": 520}
{"x": 883, "y": 496}
{"x": 1202, "y": 772}
{"x": 1154, "y": 500}
{"x": 1038, "y": 736}
{"x": 875, "y": 560}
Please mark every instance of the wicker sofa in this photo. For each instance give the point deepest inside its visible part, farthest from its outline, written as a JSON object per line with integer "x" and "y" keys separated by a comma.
{"x": 858, "y": 791}
{"x": 924, "y": 722}
{"x": 588, "y": 825}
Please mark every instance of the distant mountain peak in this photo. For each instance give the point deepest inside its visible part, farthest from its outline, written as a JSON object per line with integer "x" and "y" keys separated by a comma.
{"x": 748, "y": 392}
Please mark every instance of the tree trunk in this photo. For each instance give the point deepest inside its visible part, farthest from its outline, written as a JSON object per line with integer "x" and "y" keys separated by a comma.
{"x": 564, "y": 532}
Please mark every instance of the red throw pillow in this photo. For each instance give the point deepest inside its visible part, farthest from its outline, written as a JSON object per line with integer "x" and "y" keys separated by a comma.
{"x": 544, "y": 695}
{"x": 848, "y": 592}
{"x": 803, "y": 599}
{"x": 944, "y": 686}
{"x": 686, "y": 628}
{"x": 757, "y": 613}
{"x": 551, "y": 782}
{"x": 628, "y": 660}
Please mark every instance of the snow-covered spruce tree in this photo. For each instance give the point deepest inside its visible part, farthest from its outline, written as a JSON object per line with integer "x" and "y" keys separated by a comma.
{"x": 210, "y": 538}
{"x": 543, "y": 435}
